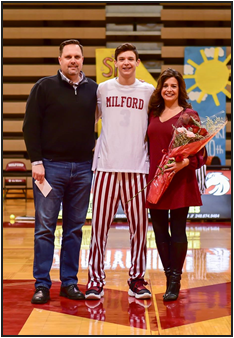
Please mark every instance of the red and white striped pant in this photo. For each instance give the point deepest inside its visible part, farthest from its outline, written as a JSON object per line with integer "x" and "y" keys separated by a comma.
{"x": 109, "y": 188}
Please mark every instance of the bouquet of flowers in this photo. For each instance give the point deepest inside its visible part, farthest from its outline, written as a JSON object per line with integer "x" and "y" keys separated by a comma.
{"x": 190, "y": 135}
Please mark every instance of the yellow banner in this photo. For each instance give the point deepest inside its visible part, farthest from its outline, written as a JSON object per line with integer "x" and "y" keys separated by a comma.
{"x": 105, "y": 70}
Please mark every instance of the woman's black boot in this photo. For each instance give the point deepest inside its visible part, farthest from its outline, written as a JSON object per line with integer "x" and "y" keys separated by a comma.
{"x": 164, "y": 253}
{"x": 173, "y": 287}
{"x": 178, "y": 254}
{"x": 167, "y": 273}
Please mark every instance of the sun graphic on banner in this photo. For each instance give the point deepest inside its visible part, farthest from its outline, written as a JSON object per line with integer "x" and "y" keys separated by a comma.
{"x": 211, "y": 76}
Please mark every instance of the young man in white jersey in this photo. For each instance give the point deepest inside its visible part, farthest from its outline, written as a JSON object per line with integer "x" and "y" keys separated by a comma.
{"x": 121, "y": 164}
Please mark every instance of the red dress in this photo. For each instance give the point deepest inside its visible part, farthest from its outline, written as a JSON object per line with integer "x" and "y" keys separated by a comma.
{"x": 183, "y": 190}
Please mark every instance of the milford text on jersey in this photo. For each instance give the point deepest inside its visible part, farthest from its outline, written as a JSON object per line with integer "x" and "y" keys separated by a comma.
{"x": 123, "y": 101}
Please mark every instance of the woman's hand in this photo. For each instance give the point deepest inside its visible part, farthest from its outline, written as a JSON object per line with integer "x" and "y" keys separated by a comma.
{"x": 176, "y": 166}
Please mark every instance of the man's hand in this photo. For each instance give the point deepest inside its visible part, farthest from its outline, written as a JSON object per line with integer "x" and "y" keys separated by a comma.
{"x": 38, "y": 172}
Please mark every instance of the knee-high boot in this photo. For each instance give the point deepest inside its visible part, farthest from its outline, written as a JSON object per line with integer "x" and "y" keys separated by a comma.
{"x": 178, "y": 254}
{"x": 164, "y": 253}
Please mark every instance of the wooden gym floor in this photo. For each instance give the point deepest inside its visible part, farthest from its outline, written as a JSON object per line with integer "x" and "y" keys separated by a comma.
{"x": 203, "y": 307}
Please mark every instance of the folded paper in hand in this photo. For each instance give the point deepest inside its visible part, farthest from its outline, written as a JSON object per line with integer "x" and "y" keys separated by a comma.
{"x": 45, "y": 187}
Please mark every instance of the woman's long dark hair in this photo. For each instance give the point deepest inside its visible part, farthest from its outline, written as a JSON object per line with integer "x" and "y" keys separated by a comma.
{"x": 156, "y": 103}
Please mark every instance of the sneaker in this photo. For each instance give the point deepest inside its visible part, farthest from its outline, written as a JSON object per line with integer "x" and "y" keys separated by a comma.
{"x": 137, "y": 289}
{"x": 95, "y": 292}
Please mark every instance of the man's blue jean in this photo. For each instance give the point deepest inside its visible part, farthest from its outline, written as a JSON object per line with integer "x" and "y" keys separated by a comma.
{"x": 71, "y": 183}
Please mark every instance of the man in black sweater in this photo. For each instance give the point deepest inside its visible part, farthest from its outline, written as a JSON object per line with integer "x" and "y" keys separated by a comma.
{"x": 59, "y": 135}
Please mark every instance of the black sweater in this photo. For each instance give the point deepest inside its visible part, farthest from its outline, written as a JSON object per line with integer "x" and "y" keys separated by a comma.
{"x": 58, "y": 124}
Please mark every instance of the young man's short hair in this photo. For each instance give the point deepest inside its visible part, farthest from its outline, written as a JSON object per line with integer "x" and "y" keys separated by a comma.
{"x": 69, "y": 42}
{"x": 124, "y": 48}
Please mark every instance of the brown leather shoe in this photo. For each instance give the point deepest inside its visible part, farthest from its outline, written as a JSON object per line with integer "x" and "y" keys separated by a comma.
{"x": 41, "y": 295}
{"x": 72, "y": 292}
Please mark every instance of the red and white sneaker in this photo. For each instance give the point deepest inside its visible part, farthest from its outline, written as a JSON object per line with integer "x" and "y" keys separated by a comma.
{"x": 95, "y": 292}
{"x": 138, "y": 290}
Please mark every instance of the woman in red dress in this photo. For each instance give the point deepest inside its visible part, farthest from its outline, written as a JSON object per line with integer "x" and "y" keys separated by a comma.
{"x": 167, "y": 103}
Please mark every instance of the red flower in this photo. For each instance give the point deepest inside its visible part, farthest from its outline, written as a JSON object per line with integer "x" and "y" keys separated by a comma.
{"x": 203, "y": 132}
{"x": 179, "y": 158}
{"x": 195, "y": 129}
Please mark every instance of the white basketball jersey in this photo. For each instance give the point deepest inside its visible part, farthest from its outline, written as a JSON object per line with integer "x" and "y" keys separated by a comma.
{"x": 121, "y": 146}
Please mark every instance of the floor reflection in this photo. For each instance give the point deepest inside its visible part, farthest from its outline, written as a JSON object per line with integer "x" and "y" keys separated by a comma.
{"x": 115, "y": 307}
{"x": 195, "y": 305}
{"x": 199, "y": 261}
{"x": 204, "y": 300}
{"x": 137, "y": 313}
{"x": 96, "y": 309}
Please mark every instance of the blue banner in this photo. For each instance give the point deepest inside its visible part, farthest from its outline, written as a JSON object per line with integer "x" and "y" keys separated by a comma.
{"x": 206, "y": 75}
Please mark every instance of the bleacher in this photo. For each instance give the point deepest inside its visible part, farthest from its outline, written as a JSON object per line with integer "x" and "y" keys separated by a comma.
{"x": 32, "y": 33}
